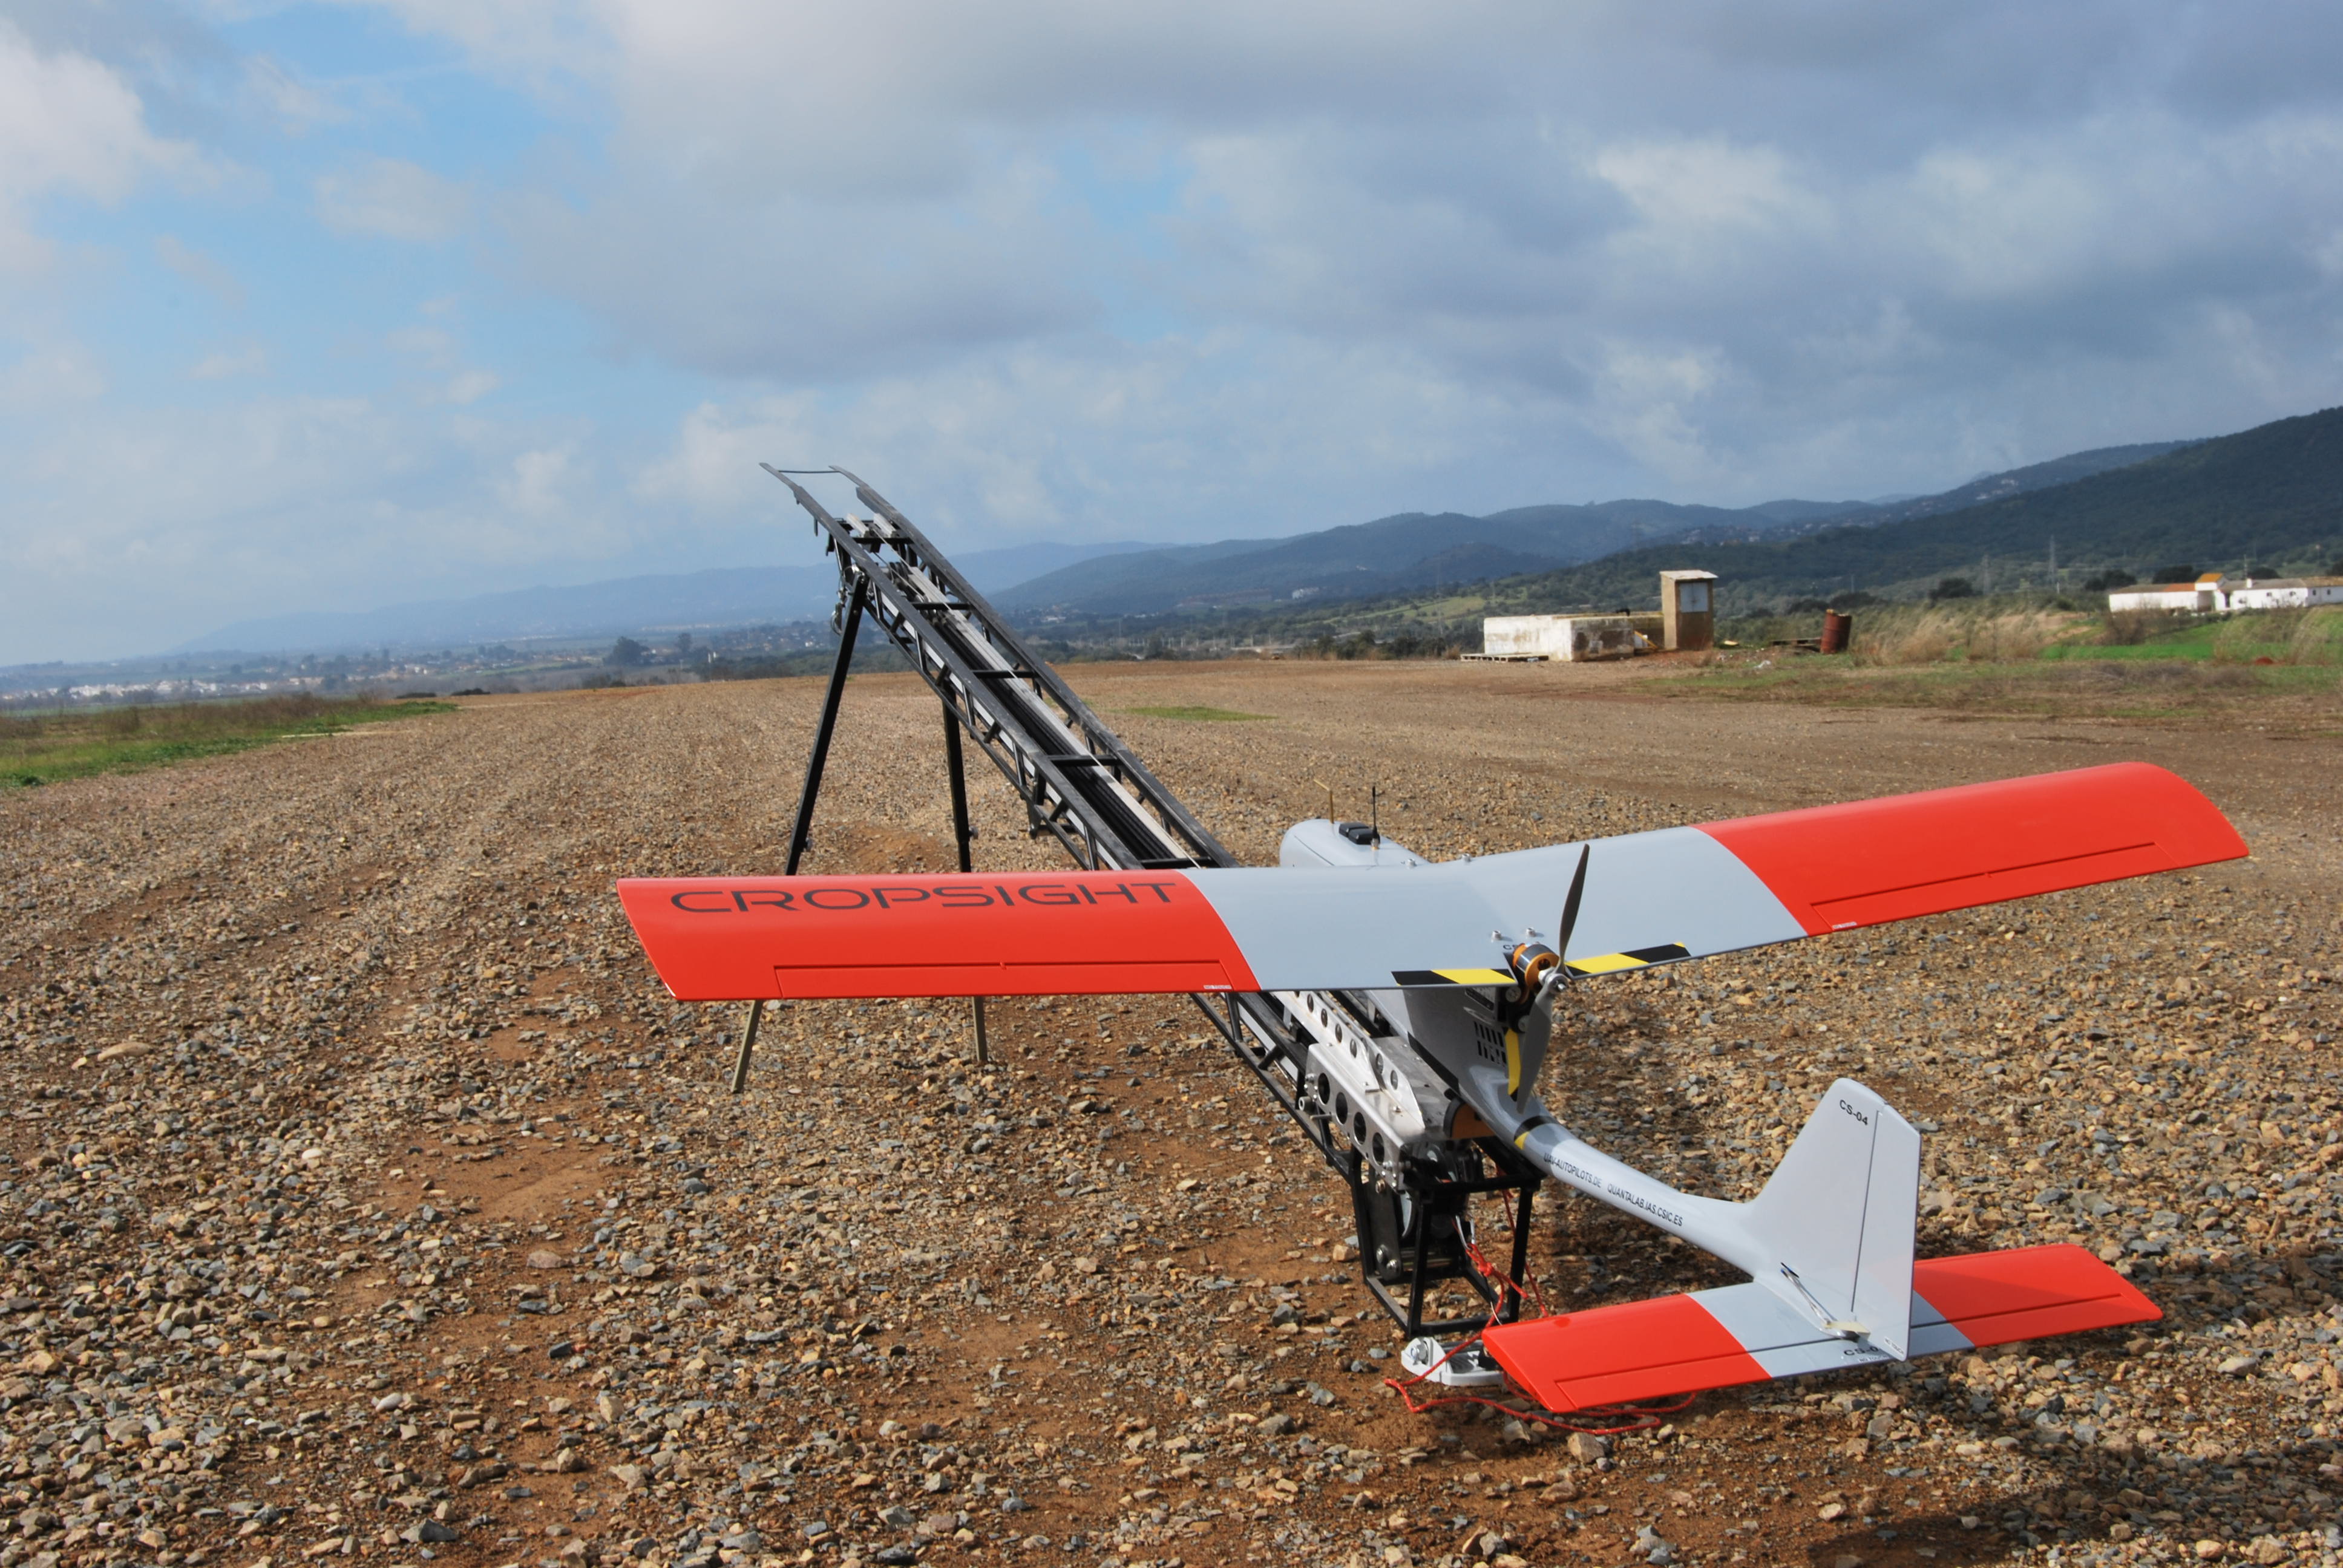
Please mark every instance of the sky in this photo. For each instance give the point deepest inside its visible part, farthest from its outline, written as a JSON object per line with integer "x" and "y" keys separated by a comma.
{"x": 340, "y": 305}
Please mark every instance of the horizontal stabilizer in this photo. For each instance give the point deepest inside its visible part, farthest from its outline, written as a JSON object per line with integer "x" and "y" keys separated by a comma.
{"x": 1747, "y": 1334}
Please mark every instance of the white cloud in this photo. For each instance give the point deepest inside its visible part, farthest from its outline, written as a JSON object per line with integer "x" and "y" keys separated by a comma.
{"x": 1650, "y": 405}
{"x": 292, "y": 101}
{"x": 713, "y": 462}
{"x": 129, "y": 531}
{"x": 1712, "y": 189}
{"x": 470, "y": 387}
{"x": 542, "y": 482}
{"x": 1208, "y": 437}
{"x": 247, "y": 359}
{"x": 393, "y": 198}
{"x": 69, "y": 127}
{"x": 1852, "y": 238}
{"x": 204, "y": 271}
{"x": 1049, "y": 266}
{"x": 47, "y": 378}
{"x": 439, "y": 351}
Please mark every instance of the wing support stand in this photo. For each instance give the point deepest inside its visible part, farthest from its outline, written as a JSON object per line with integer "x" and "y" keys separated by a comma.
{"x": 747, "y": 1046}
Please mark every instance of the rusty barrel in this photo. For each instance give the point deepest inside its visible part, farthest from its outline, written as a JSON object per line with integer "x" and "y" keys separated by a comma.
{"x": 1837, "y": 627}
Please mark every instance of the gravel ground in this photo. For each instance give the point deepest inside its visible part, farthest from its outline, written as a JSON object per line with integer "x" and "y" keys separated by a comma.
{"x": 367, "y": 1197}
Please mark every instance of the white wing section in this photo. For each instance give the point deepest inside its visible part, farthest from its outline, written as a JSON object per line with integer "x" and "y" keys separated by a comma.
{"x": 1676, "y": 884}
{"x": 1356, "y": 928}
{"x": 1348, "y": 930}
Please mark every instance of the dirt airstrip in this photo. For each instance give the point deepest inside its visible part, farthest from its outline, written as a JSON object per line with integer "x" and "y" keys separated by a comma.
{"x": 365, "y": 1196}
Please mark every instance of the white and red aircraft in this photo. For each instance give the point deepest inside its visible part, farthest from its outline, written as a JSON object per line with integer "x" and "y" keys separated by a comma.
{"x": 1455, "y": 955}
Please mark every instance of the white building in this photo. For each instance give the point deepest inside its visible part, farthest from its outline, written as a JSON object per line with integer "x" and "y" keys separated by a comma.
{"x": 2214, "y": 594}
{"x": 2202, "y": 597}
{"x": 2281, "y": 593}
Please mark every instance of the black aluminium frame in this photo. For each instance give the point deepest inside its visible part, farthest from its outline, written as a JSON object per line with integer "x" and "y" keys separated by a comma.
{"x": 1081, "y": 785}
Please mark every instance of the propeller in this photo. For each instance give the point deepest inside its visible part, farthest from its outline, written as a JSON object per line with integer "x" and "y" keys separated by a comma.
{"x": 1570, "y": 908}
{"x": 1559, "y": 975}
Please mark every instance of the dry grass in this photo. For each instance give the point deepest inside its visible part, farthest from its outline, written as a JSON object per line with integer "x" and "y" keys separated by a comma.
{"x": 1932, "y": 634}
{"x": 1922, "y": 637}
{"x": 2131, "y": 628}
{"x": 2016, "y": 637}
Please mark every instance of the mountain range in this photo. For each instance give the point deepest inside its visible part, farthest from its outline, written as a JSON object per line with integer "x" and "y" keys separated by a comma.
{"x": 2266, "y": 492}
{"x": 1415, "y": 551}
{"x": 2270, "y": 498}
{"x": 730, "y": 596}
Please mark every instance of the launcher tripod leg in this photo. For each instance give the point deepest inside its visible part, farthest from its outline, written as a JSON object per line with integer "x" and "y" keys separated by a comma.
{"x": 802, "y": 832}
{"x": 962, "y": 834}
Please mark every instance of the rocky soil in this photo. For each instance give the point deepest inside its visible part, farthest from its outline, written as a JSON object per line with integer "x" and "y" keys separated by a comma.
{"x": 367, "y": 1197}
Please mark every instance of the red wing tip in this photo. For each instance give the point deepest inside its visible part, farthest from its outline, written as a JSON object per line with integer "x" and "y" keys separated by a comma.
{"x": 2030, "y": 1293}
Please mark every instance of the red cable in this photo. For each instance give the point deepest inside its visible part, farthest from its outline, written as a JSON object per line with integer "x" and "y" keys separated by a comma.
{"x": 1496, "y": 1275}
{"x": 1645, "y": 1416}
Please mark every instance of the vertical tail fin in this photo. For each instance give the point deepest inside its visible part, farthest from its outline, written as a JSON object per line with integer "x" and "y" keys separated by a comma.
{"x": 1838, "y": 1214}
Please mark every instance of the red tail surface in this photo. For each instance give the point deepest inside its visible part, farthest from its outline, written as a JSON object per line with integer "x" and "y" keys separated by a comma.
{"x": 1742, "y": 1333}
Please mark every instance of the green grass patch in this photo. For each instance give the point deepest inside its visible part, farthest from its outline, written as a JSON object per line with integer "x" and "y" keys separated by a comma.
{"x": 42, "y": 748}
{"x": 1202, "y": 715}
{"x": 2075, "y": 687}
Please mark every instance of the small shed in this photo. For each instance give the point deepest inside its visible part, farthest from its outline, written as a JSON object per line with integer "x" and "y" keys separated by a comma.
{"x": 1566, "y": 638}
{"x": 1687, "y": 610}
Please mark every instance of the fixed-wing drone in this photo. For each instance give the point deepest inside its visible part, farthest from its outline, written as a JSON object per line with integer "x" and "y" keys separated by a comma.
{"x": 1449, "y": 974}
{"x": 1400, "y": 1011}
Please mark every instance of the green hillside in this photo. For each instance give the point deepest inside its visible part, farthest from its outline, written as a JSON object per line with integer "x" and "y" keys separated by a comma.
{"x": 2271, "y": 497}
{"x": 1417, "y": 553}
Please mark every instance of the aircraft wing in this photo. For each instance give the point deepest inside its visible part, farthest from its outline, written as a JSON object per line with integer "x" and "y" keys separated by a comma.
{"x": 1650, "y": 898}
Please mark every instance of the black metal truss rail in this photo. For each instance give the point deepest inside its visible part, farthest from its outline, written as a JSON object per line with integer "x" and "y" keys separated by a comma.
{"x": 1101, "y": 803}
{"x": 1084, "y": 788}
{"x": 1079, "y": 783}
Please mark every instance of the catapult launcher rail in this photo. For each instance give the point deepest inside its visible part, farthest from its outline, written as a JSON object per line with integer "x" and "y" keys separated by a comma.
{"x": 1413, "y": 1155}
